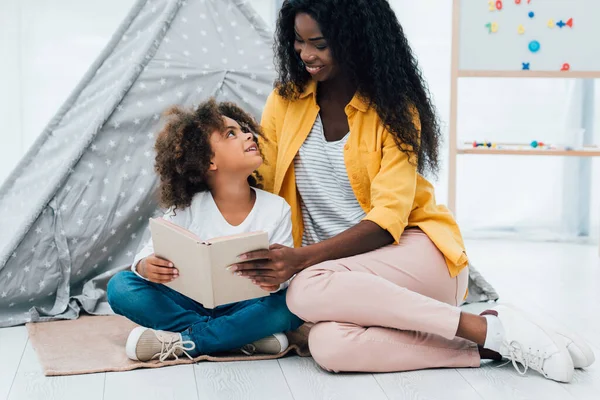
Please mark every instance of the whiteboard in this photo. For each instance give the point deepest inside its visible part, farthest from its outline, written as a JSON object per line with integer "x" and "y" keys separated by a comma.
{"x": 500, "y": 36}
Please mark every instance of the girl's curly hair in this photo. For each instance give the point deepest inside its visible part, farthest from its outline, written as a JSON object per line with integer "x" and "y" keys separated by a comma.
{"x": 370, "y": 47}
{"x": 183, "y": 150}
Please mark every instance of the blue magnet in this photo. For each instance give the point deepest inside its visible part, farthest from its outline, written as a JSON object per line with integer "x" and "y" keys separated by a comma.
{"x": 560, "y": 24}
{"x": 525, "y": 66}
{"x": 531, "y": 14}
{"x": 534, "y": 46}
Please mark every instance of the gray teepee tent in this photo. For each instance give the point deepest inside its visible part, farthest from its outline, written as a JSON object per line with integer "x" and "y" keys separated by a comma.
{"x": 75, "y": 209}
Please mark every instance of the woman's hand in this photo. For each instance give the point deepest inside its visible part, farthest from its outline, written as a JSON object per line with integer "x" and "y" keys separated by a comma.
{"x": 157, "y": 270}
{"x": 269, "y": 268}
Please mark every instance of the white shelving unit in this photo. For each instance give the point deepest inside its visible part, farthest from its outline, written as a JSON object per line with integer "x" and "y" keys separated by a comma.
{"x": 478, "y": 51}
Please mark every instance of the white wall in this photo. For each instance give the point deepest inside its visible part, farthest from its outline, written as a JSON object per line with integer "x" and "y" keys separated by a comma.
{"x": 49, "y": 46}
{"x": 46, "y": 46}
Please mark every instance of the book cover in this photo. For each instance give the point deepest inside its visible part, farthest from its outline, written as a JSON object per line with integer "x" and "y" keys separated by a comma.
{"x": 202, "y": 264}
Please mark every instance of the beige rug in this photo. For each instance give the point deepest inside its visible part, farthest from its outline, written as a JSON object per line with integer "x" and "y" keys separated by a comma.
{"x": 97, "y": 344}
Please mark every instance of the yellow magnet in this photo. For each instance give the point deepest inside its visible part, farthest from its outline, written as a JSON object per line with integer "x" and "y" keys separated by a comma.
{"x": 521, "y": 29}
{"x": 551, "y": 23}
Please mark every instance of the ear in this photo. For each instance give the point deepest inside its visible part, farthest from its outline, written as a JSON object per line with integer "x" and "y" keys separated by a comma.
{"x": 213, "y": 166}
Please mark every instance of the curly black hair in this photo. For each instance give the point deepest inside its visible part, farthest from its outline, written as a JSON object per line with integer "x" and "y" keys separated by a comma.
{"x": 183, "y": 150}
{"x": 370, "y": 47}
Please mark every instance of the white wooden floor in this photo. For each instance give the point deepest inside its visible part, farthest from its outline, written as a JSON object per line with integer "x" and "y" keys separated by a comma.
{"x": 560, "y": 280}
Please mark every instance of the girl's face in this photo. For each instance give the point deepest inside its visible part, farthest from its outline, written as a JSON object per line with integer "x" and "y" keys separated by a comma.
{"x": 234, "y": 149}
{"x": 313, "y": 49}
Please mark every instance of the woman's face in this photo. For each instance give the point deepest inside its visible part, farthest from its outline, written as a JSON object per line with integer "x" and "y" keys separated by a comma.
{"x": 313, "y": 49}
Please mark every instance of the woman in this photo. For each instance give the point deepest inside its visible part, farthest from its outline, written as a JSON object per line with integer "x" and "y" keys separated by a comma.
{"x": 349, "y": 132}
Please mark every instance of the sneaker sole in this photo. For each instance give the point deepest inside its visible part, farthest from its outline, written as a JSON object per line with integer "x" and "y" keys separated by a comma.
{"x": 132, "y": 340}
{"x": 578, "y": 348}
{"x": 558, "y": 341}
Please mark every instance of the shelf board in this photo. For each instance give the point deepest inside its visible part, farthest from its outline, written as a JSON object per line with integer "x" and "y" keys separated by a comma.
{"x": 527, "y": 74}
{"x": 593, "y": 152}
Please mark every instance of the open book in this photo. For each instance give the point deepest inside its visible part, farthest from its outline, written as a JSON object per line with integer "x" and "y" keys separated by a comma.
{"x": 202, "y": 264}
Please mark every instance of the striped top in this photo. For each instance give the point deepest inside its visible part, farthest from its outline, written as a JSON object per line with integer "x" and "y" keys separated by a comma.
{"x": 328, "y": 203}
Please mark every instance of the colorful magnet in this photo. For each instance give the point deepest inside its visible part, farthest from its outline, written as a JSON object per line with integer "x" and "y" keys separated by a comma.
{"x": 560, "y": 24}
{"x": 534, "y": 46}
{"x": 550, "y": 23}
{"x": 492, "y": 27}
{"x": 525, "y": 66}
{"x": 534, "y": 144}
{"x": 521, "y": 29}
{"x": 570, "y": 23}
{"x": 531, "y": 14}
{"x": 495, "y": 5}
{"x": 565, "y": 67}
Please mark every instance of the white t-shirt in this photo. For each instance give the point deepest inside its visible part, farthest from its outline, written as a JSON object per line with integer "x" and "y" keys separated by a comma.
{"x": 270, "y": 214}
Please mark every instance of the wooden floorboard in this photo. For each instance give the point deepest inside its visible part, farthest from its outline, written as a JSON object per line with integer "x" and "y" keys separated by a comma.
{"x": 241, "y": 380}
{"x": 12, "y": 345}
{"x": 308, "y": 381}
{"x": 434, "y": 384}
{"x": 170, "y": 383}
{"x": 31, "y": 384}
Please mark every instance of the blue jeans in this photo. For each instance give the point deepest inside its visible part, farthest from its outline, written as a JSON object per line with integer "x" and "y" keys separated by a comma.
{"x": 223, "y": 328}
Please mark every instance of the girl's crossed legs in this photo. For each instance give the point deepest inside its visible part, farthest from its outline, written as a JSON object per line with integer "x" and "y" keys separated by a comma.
{"x": 223, "y": 328}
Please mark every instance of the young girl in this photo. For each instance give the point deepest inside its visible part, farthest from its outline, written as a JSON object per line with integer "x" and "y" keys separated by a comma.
{"x": 206, "y": 159}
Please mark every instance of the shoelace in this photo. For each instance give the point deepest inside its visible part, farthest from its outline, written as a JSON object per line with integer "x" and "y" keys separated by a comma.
{"x": 516, "y": 354}
{"x": 170, "y": 347}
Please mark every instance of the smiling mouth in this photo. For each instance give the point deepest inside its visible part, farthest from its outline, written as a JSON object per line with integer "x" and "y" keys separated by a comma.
{"x": 314, "y": 70}
{"x": 251, "y": 148}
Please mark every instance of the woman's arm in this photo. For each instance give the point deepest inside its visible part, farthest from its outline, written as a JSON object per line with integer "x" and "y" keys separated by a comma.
{"x": 280, "y": 263}
{"x": 361, "y": 238}
{"x": 393, "y": 191}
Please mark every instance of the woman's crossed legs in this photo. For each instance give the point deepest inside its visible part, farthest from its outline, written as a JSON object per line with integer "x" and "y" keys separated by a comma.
{"x": 396, "y": 309}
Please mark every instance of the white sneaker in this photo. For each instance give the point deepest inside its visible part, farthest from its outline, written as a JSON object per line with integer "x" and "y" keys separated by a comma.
{"x": 581, "y": 354}
{"x": 273, "y": 344}
{"x": 531, "y": 344}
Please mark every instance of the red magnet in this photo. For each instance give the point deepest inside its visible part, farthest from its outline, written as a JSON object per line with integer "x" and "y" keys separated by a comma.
{"x": 570, "y": 23}
{"x": 565, "y": 67}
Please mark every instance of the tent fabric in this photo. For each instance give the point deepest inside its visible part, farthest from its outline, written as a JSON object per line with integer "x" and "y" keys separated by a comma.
{"x": 76, "y": 207}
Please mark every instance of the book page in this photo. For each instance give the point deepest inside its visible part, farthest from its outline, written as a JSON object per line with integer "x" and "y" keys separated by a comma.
{"x": 236, "y": 236}
{"x": 177, "y": 228}
{"x": 227, "y": 287}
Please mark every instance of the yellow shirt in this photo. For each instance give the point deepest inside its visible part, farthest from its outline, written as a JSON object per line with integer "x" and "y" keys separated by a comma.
{"x": 386, "y": 184}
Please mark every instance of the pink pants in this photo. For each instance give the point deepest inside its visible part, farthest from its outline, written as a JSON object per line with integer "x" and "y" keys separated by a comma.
{"x": 392, "y": 309}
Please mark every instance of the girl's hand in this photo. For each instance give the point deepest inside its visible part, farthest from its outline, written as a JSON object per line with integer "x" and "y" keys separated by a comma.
{"x": 157, "y": 270}
{"x": 269, "y": 267}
